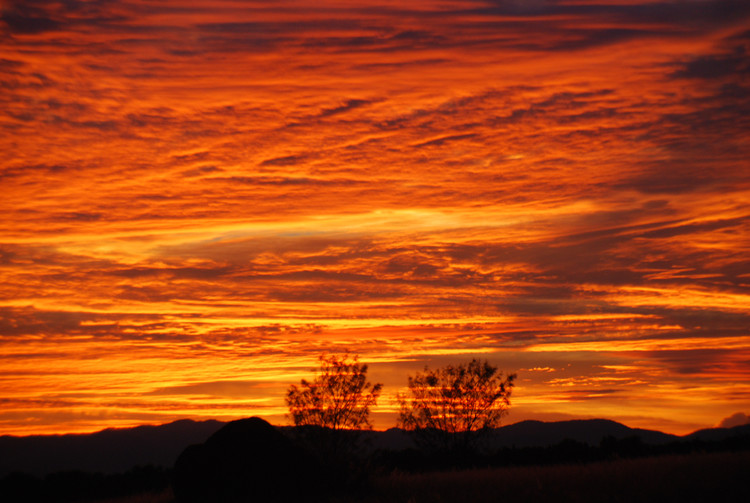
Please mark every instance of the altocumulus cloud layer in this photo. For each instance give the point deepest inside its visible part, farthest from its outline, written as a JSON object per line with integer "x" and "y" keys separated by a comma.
{"x": 198, "y": 199}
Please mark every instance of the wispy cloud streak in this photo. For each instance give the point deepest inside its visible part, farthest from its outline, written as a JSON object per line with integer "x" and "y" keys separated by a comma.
{"x": 199, "y": 199}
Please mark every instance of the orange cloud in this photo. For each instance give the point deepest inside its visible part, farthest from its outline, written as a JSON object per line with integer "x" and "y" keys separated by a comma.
{"x": 198, "y": 200}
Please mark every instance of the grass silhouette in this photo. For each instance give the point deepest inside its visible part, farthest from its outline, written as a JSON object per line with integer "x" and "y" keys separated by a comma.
{"x": 164, "y": 496}
{"x": 686, "y": 478}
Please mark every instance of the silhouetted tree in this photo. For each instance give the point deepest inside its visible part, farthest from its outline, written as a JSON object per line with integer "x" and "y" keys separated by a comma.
{"x": 449, "y": 407}
{"x": 340, "y": 397}
{"x": 330, "y": 413}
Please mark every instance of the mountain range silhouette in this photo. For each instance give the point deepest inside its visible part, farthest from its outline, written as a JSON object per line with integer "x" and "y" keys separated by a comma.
{"x": 117, "y": 450}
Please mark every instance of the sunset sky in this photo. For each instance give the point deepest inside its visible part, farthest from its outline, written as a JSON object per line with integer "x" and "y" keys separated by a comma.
{"x": 198, "y": 198}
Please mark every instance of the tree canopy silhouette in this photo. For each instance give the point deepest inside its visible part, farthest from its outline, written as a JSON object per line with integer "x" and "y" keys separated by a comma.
{"x": 448, "y": 407}
{"x": 340, "y": 397}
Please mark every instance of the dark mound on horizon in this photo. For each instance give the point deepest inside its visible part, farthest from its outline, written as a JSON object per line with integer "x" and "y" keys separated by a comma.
{"x": 246, "y": 461}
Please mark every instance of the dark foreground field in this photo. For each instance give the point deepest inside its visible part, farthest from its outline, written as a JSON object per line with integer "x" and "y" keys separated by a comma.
{"x": 686, "y": 478}
{"x": 699, "y": 477}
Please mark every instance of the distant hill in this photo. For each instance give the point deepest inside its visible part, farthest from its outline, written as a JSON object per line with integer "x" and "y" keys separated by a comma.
{"x": 538, "y": 434}
{"x": 589, "y": 431}
{"x": 117, "y": 450}
{"x": 718, "y": 434}
{"x": 107, "y": 451}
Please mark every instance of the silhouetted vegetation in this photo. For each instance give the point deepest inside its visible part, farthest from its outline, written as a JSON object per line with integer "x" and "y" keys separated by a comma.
{"x": 330, "y": 411}
{"x": 565, "y": 452}
{"x": 701, "y": 467}
{"x": 456, "y": 453}
{"x": 340, "y": 397}
{"x": 449, "y": 408}
{"x": 699, "y": 477}
{"x": 73, "y": 486}
{"x": 247, "y": 460}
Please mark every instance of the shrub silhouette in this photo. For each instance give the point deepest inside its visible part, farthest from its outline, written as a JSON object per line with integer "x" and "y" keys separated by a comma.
{"x": 245, "y": 461}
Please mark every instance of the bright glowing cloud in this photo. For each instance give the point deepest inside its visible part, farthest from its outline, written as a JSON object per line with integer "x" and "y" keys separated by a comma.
{"x": 197, "y": 200}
